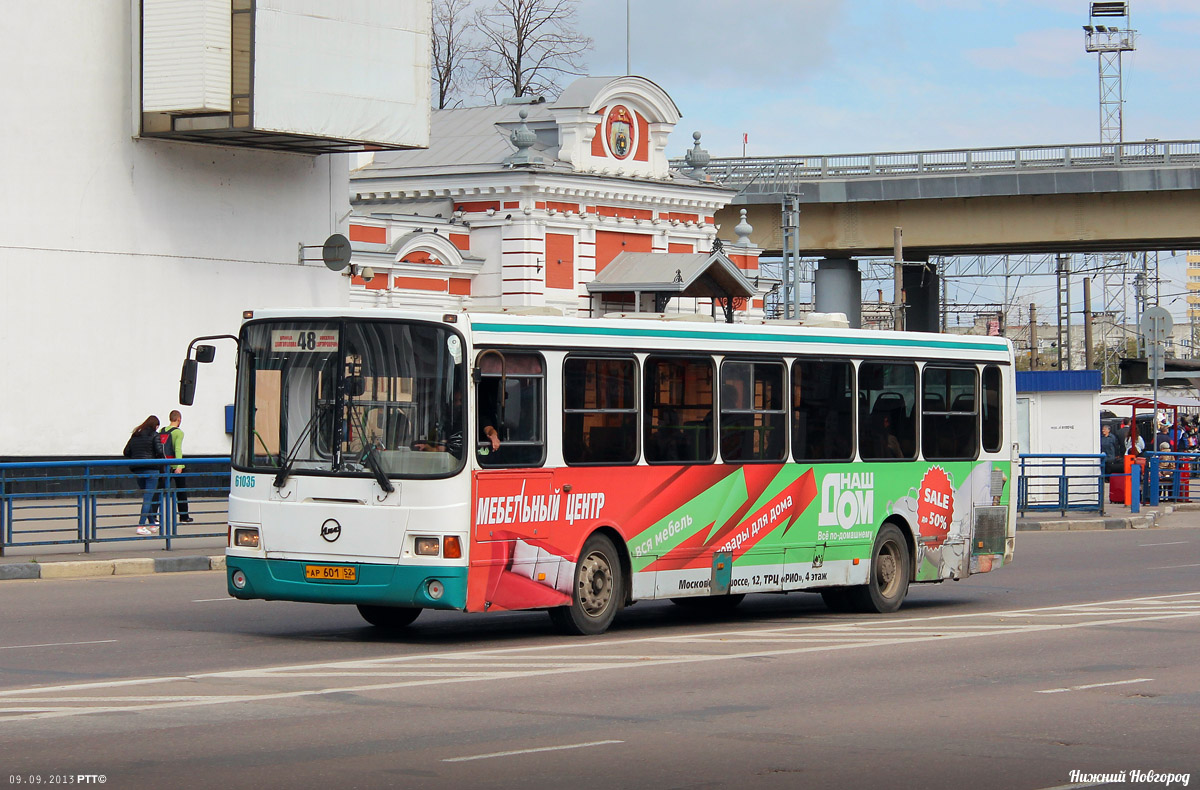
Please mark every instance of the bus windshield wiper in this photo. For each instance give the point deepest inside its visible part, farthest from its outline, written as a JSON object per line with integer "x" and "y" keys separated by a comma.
{"x": 285, "y": 469}
{"x": 375, "y": 464}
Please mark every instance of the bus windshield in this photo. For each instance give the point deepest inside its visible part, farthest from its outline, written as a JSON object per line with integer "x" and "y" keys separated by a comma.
{"x": 338, "y": 396}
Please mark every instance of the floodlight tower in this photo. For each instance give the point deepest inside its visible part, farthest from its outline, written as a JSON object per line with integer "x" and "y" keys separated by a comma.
{"x": 1109, "y": 41}
{"x": 1108, "y": 33}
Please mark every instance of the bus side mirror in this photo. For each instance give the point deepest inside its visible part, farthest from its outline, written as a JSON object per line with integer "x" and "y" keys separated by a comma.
{"x": 187, "y": 379}
{"x": 187, "y": 382}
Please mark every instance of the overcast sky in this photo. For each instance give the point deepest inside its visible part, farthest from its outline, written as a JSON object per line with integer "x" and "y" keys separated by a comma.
{"x": 846, "y": 76}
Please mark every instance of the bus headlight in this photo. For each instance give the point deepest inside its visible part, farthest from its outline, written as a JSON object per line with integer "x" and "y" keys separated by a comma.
{"x": 245, "y": 538}
{"x": 435, "y": 589}
{"x": 426, "y": 546}
{"x": 239, "y": 579}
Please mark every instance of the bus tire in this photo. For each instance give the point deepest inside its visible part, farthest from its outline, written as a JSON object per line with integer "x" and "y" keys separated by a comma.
{"x": 888, "y": 584}
{"x": 710, "y": 603}
{"x": 596, "y": 594}
{"x": 388, "y": 616}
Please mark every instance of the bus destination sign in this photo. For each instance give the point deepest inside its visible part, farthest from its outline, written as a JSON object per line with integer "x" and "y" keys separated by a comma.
{"x": 304, "y": 340}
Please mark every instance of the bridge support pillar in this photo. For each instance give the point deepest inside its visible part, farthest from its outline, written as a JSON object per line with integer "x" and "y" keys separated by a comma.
{"x": 837, "y": 288}
{"x": 922, "y": 298}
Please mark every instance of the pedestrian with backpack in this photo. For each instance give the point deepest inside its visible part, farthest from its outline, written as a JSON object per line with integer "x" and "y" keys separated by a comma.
{"x": 172, "y": 442}
{"x": 143, "y": 445}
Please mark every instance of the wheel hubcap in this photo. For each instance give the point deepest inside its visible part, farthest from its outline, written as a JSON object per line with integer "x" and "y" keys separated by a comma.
{"x": 888, "y": 569}
{"x": 595, "y": 584}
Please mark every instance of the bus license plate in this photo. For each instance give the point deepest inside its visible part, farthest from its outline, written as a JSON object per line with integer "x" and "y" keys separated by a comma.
{"x": 329, "y": 573}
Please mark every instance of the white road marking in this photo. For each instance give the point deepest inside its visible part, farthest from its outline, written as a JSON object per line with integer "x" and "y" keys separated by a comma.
{"x": 1094, "y": 686}
{"x": 1172, "y": 543}
{"x": 1072, "y": 787}
{"x": 58, "y": 644}
{"x": 528, "y": 751}
{"x": 557, "y": 658}
{"x": 1169, "y": 567}
{"x": 213, "y": 600}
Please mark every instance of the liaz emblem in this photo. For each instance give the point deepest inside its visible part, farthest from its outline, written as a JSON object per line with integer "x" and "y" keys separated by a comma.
{"x": 620, "y": 131}
{"x": 331, "y": 530}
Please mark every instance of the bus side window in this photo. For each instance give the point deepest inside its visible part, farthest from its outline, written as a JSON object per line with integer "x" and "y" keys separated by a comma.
{"x": 679, "y": 410}
{"x": 949, "y": 417}
{"x": 823, "y": 410}
{"x": 887, "y": 427}
{"x": 600, "y": 410}
{"x": 753, "y": 416}
{"x": 992, "y": 438}
{"x": 509, "y": 425}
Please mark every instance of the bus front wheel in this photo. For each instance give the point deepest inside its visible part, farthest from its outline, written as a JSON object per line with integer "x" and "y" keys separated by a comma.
{"x": 388, "y": 616}
{"x": 888, "y": 585}
{"x": 596, "y": 593}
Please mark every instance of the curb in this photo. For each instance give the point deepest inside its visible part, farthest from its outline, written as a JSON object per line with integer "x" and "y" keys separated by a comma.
{"x": 87, "y": 569}
{"x": 1073, "y": 525}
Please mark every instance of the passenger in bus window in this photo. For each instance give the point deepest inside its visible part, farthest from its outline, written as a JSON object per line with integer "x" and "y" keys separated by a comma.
{"x": 487, "y": 451}
{"x": 882, "y": 439}
{"x": 670, "y": 442}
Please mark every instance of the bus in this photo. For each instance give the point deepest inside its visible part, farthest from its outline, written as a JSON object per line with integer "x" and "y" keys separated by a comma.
{"x": 483, "y": 462}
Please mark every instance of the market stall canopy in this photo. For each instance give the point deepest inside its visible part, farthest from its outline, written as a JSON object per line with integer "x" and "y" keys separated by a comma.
{"x": 1164, "y": 401}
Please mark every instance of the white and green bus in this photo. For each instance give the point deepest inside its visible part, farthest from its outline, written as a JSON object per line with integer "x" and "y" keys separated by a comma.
{"x": 401, "y": 461}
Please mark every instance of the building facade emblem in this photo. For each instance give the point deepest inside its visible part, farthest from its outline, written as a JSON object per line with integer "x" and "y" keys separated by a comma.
{"x": 619, "y": 131}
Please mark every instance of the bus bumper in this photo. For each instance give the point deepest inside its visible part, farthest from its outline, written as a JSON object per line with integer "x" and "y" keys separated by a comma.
{"x": 376, "y": 585}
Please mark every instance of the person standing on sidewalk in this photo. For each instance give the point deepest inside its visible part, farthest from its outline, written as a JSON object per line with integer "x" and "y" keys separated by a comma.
{"x": 1110, "y": 445}
{"x": 173, "y": 445}
{"x": 144, "y": 445}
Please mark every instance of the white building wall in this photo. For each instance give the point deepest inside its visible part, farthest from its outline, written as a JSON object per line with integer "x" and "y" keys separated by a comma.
{"x": 115, "y": 252}
{"x": 1061, "y": 422}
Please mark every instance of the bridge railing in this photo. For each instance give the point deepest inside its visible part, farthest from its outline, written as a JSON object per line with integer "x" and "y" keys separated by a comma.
{"x": 95, "y": 502}
{"x": 775, "y": 173}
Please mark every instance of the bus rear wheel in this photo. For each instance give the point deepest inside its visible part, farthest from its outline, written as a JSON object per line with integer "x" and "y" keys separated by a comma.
{"x": 388, "y": 616}
{"x": 888, "y": 585}
{"x": 596, "y": 593}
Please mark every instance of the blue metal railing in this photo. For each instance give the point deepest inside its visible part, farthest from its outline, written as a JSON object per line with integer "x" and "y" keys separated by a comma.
{"x": 46, "y": 503}
{"x": 1061, "y": 482}
{"x": 1172, "y": 477}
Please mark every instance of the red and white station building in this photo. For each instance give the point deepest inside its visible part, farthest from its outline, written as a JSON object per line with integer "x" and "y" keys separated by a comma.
{"x": 526, "y": 205}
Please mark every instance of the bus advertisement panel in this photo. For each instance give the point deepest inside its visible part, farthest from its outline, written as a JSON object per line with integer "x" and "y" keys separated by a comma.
{"x": 782, "y": 526}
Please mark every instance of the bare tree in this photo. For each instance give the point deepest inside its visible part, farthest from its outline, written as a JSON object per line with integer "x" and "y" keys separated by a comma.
{"x": 453, "y": 51}
{"x": 527, "y": 45}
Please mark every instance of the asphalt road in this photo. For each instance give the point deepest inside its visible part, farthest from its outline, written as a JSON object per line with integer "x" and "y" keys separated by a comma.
{"x": 1081, "y": 656}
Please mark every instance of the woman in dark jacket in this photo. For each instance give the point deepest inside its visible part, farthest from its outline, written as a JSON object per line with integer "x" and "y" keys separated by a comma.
{"x": 143, "y": 444}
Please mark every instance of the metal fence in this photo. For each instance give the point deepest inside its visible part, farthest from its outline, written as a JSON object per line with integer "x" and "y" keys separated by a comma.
{"x": 1061, "y": 482}
{"x": 1172, "y": 477}
{"x": 95, "y": 502}
{"x": 780, "y": 173}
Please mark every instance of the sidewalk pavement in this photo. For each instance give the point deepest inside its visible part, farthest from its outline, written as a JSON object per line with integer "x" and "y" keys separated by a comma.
{"x": 207, "y": 554}
{"x": 133, "y": 559}
{"x": 1114, "y": 517}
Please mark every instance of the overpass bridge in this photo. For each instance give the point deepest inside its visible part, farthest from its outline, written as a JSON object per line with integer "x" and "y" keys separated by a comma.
{"x": 1087, "y": 198}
